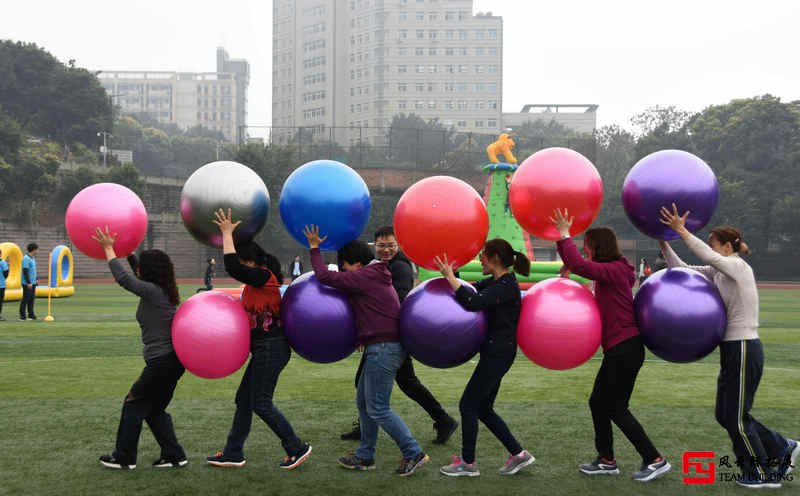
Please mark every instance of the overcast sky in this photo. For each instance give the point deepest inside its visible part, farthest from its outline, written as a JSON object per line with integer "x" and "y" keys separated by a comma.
{"x": 625, "y": 55}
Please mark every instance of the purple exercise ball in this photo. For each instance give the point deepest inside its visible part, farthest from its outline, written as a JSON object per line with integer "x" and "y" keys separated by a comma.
{"x": 436, "y": 330}
{"x": 319, "y": 321}
{"x": 666, "y": 177}
{"x": 680, "y": 314}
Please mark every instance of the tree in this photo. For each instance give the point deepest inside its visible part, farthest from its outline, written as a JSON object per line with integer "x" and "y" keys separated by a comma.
{"x": 128, "y": 176}
{"x": 10, "y": 136}
{"x": 660, "y": 128}
{"x": 418, "y": 143}
{"x": 47, "y": 98}
{"x": 616, "y": 150}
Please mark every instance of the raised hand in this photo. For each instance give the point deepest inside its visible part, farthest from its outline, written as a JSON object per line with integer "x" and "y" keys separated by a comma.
{"x": 312, "y": 235}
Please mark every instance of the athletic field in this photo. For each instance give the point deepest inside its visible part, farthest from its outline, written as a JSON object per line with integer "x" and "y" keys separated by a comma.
{"x": 63, "y": 383}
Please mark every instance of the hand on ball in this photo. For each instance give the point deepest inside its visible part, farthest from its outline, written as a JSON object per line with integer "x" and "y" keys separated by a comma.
{"x": 673, "y": 219}
{"x": 563, "y": 221}
{"x": 105, "y": 238}
{"x": 225, "y": 222}
{"x": 313, "y": 237}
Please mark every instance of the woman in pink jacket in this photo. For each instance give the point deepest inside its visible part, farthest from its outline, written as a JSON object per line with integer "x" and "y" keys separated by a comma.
{"x": 623, "y": 349}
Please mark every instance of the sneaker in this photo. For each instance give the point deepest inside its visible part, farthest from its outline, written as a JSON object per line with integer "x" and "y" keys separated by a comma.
{"x": 165, "y": 463}
{"x": 22, "y": 318}
{"x": 32, "y": 317}
{"x": 292, "y": 462}
{"x": 758, "y": 484}
{"x": 223, "y": 460}
{"x": 410, "y": 465}
{"x": 353, "y": 462}
{"x": 2, "y": 318}
{"x": 353, "y": 435}
{"x": 444, "y": 430}
{"x": 789, "y": 458}
{"x": 652, "y": 471}
{"x": 600, "y": 466}
{"x": 515, "y": 463}
{"x": 460, "y": 469}
{"x": 109, "y": 461}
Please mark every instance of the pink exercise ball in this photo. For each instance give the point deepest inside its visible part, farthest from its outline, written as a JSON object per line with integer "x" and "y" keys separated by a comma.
{"x": 211, "y": 335}
{"x": 559, "y": 325}
{"x": 101, "y": 205}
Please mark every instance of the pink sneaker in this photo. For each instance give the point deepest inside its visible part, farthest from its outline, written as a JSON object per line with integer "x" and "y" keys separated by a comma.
{"x": 515, "y": 463}
{"x": 460, "y": 469}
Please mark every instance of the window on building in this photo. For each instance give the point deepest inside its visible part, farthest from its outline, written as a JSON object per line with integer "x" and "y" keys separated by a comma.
{"x": 478, "y": 123}
{"x": 463, "y": 68}
{"x": 402, "y": 69}
{"x": 480, "y": 51}
{"x": 479, "y": 69}
{"x": 403, "y": 34}
{"x": 420, "y": 16}
{"x": 462, "y": 124}
{"x": 432, "y": 34}
{"x": 432, "y": 51}
{"x": 492, "y": 51}
{"x": 431, "y": 69}
{"x": 402, "y": 87}
{"x": 450, "y": 16}
{"x": 419, "y": 52}
{"x": 402, "y": 16}
{"x": 479, "y": 34}
{"x": 402, "y": 52}
{"x": 491, "y": 87}
{"x": 491, "y": 69}
{"x": 420, "y": 34}
{"x": 431, "y": 104}
{"x": 491, "y": 123}
{"x": 449, "y": 105}
{"x": 419, "y": 104}
{"x": 492, "y": 34}
{"x": 402, "y": 104}
{"x": 449, "y": 51}
{"x": 462, "y": 34}
{"x": 420, "y": 87}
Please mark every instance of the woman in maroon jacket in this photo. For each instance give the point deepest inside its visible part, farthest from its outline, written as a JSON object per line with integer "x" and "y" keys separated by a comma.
{"x": 623, "y": 350}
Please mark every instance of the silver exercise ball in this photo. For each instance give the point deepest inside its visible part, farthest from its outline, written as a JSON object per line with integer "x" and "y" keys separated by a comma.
{"x": 224, "y": 184}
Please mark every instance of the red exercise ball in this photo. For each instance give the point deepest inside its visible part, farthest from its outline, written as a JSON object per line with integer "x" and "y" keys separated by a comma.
{"x": 555, "y": 178}
{"x": 439, "y": 215}
{"x": 101, "y": 205}
{"x": 559, "y": 325}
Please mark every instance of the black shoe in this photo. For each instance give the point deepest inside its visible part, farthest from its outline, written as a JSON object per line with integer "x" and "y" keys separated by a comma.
{"x": 409, "y": 465}
{"x": 2, "y": 318}
{"x": 165, "y": 463}
{"x": 353, "y": 462}
{"x": 22, "y": 318}
{"x": 292, "y": 462}
{"x": 353, "y": 435}
{"x": 32, "y": 317}
{"x": 109, "y": 461}
{"x": 444, "y": 430}
{"x": 220, "y": 459}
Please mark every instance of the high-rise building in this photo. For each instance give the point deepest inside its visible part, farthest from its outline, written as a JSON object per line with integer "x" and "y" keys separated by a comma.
{"x": 214, "y": 100}
{"x": 345, "y": 68}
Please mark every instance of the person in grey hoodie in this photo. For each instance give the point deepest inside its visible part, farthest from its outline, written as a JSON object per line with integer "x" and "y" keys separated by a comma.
{"x": 741, "y": 353}
{"x": 150, "y": 395}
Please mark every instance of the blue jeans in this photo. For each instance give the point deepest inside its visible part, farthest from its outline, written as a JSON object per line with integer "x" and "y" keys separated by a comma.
{"x": 381, "y": 361}
{"x": 269, "y": 357}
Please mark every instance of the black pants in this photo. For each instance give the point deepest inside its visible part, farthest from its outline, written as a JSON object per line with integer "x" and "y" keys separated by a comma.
{"x": 269, "y": 357}
{"x": 2, "y": 297}
{"x": 477, "y": 402}
{"x": 612, "y": 391}
{"x": 741, "y": 364}
{"x": 409, "y": 383}
{"x": 208, "y": 287}
{"x": 28, "y": 297}
{"x": 147, "y": 401}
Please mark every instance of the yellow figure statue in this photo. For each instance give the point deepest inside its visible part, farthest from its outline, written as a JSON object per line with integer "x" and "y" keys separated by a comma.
{"x": 503, "y": 147}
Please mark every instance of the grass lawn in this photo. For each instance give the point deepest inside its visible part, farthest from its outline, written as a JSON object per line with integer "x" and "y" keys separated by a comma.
{"x": 63, "y": 383}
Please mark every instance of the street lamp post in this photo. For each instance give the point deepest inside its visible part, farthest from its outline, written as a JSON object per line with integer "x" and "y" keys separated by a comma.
{"x": 104, "y": 150}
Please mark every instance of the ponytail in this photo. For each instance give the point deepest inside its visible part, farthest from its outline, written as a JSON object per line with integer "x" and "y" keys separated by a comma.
{"x": 521, "y": 263}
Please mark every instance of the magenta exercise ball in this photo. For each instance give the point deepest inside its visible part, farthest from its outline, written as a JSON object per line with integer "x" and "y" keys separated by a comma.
{"x": 101, "y": 205}
{"x": 559, "y": 325}
{"x": 211, "y": 335}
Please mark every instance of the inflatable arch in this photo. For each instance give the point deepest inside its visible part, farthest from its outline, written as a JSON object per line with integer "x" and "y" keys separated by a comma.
{"x": 60, "y": 273}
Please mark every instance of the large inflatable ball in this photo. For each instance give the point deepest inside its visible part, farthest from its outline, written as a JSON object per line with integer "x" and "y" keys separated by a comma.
{"x": 680, "y": 314}
{"x": 318, "y": 320}
{"x": 101, "y": 205}
{"x": 555, "y": 178}
{"x": 224, "y": 185}
{"x": 559, "y": 325}
{"x": 666, "y": 177}
{"x": 211, "y": 334}
{"x": 436, "y": 330}
{"x": 328, "y": 194}
{"x": 441, "y": 215}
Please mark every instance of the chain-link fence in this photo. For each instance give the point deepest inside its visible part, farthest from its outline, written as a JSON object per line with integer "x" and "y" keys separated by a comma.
{"x": 403, "y": 148}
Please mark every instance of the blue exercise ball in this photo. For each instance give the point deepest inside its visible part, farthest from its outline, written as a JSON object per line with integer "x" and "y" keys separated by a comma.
{"x": 329, "y": 194}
